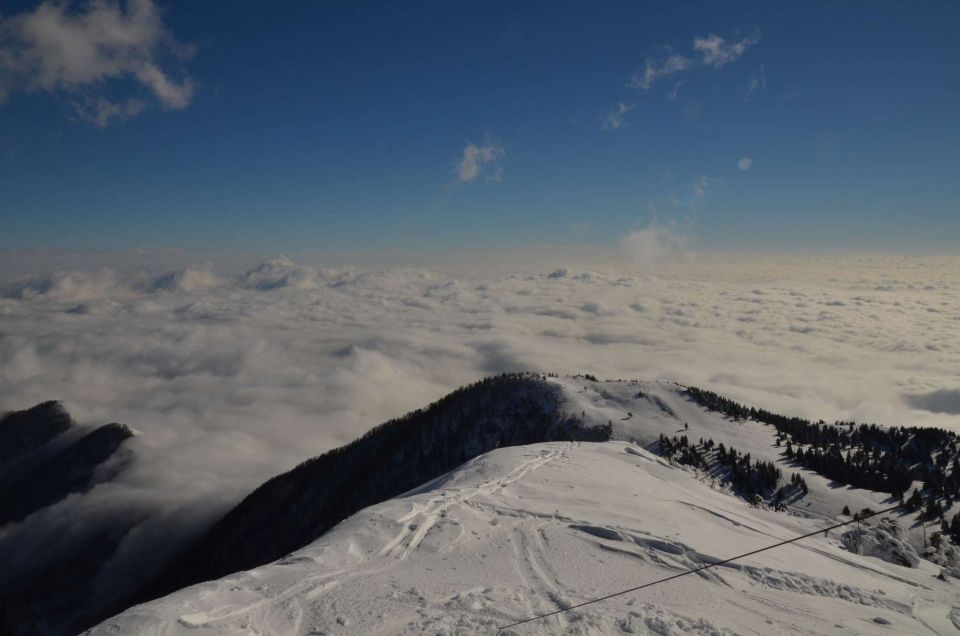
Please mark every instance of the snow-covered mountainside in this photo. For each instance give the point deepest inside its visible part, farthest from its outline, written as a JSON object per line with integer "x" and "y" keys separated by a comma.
{"x": 290, "y": 510}
{"x": 530, "y": 529}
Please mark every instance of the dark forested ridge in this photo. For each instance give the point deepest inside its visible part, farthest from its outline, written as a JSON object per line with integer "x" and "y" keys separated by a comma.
{"x": 885, "y": 459}
{"x": 750, "y": 479}
{"x": 69, "y": 471}
{"x": 42, "y": 464}
{"x": 24, "y": 431}
{"x": 291, "y": 510}
{"x": 49, "y": 458}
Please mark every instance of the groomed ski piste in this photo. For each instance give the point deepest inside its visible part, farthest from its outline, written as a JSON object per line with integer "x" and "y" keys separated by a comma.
{"x": 528, "y": 530}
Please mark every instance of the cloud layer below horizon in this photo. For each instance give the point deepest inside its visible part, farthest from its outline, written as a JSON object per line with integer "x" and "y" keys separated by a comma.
{"x": 232, "y": 378}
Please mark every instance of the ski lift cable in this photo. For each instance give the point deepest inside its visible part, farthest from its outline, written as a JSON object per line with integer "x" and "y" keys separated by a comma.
{"x": 856, "y": 519}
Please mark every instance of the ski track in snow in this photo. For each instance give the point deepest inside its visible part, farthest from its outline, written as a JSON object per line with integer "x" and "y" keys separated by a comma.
{"x": 528, "y": 530}
{"x": 413, "y": 533}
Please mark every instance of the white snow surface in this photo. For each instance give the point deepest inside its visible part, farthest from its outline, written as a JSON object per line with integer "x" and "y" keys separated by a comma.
{"x": 527, "y": 530}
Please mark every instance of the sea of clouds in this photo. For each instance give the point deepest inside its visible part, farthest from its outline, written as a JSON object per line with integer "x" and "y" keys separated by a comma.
{"x": 234, "y": 373}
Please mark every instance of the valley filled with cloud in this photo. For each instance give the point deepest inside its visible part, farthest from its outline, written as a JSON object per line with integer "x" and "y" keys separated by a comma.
{"x": 231, "y": 375}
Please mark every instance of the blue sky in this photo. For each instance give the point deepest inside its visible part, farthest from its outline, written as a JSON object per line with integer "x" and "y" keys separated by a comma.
{"x": 345, "y": 126}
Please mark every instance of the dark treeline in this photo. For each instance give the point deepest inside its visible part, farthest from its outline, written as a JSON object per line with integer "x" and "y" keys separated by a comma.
{"x": 748, "y": 478}
{"x": 24, "y": 431}
{"x": 953, "y": 529}
{"x": 885, "y": 459}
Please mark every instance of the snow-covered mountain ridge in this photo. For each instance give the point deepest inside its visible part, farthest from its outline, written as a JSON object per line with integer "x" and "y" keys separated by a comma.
{"x": 534, "y": 528}
{"x": 292, "y": 509}
{"x": 530, "y": 529}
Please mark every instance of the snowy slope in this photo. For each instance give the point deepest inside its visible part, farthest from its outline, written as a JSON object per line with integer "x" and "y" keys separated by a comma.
{"x": 663, "y": 407}
{"x": 291, "y": 510}
{"x": 529, "y": 529}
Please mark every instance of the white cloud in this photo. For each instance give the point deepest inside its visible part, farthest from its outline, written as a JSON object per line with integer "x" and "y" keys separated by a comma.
{"x": 170, "y": 94}
{"x": 480, "y": 160}
{"x": 745, "y": 163}
{"x": 76, "y": 51}
{"x": 714, "y": 52}
{"x": 615, "y": 118}
{"x": 281, "y": 272}
{"x": 717, "y": 52}
{"x": 235, "y": 376}
{"x": 650, "y": 246}
{"x": 654, "y": 71}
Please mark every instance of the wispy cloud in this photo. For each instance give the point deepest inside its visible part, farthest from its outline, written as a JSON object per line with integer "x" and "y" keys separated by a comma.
{"x": 103, "y": 112}
{"x": 684, "y": 202}
{"x": 654, "y": 70}
{"x": 718, "y": 52}
{"x": 616, "y": 117}
{"x": 79, "y": 51}
{"x": 701, "y": 189}
{"x": 676, "y": 90}
{"x": 758, "y": 81}
{"x": 650, "y": 246}
{"x": 710, "y": 51}
{"x": 481, "y": 160}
